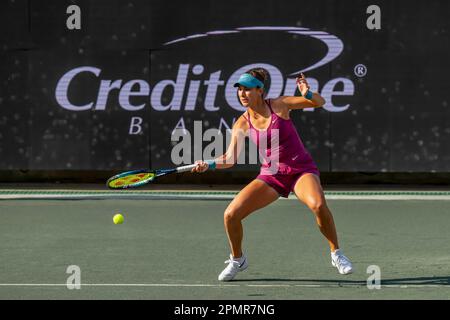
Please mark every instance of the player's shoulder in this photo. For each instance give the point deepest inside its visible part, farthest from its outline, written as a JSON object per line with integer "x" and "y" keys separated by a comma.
{"x": 241, "y": 122}
{"x": 277, "y": 104}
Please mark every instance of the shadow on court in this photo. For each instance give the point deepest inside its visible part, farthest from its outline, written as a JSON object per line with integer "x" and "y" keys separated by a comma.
{"x": 442, "y": 281}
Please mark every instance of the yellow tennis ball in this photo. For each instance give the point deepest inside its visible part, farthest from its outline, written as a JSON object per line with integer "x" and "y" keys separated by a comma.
{"x": 118, "y": 218}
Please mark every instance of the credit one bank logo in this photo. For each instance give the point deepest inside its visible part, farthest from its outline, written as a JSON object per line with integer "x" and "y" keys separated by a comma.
{"x": 182, "y": 86}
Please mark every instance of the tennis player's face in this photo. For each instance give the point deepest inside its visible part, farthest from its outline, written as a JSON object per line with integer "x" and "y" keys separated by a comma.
{"x": 249, "y": 96}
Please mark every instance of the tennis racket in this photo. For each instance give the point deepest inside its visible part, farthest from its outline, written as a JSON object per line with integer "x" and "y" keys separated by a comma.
{"x": 137, "y": 178}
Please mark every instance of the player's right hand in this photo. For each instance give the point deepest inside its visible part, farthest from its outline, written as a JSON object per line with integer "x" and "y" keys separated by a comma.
{"x": 302, "y": 84}
{"x": 200, "y": 166}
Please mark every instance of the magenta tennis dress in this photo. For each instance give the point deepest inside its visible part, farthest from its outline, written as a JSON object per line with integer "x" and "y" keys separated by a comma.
{"x": 286, "y": 158}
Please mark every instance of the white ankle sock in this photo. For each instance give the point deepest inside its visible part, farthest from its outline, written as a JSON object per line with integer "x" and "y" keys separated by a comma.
{"x": 240, "y": 259}
{"x": 336, "y": 252}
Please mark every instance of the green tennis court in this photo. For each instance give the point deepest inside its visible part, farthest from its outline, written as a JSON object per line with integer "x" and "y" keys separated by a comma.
{"x": 173, "y": 245}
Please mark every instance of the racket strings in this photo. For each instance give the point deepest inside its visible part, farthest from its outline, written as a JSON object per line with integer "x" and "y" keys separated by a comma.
{"x": 131, "y": 179}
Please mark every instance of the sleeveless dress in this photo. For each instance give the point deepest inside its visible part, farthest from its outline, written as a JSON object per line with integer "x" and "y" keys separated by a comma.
{"x": 284, "y": 157}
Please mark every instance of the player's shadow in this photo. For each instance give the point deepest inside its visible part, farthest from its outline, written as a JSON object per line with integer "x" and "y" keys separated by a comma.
{"x": 441, "y": 280}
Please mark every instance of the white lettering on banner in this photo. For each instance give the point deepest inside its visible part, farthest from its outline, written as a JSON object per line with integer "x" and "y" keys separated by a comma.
{"x": 178, "y": 86}
{"x": 62, "y": 88}
{"x": 125, "y": 93}
{"x": 174, "y": 103}
{"x": 180, "y": 125}
{"x": 193, "y": 88}
{"x": 328, "y": 92}
{"x": 161, "y": 100}
{"x": 105, "y": 88}
{"x": 212, "y": 84}
{"x": 135, "y": 126}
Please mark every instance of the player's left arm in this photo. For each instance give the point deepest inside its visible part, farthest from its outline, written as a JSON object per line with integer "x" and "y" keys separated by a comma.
{"x": 305, "y": 101}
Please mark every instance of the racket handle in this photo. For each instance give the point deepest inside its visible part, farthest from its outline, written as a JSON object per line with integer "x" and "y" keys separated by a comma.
{"x": 186, "y": 168}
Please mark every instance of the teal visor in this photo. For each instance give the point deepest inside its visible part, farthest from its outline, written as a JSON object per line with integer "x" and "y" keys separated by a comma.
{"x": 248, "y": 81}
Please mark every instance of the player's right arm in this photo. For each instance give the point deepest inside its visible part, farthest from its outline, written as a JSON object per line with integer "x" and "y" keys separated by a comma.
{"x": 229, "y": 158}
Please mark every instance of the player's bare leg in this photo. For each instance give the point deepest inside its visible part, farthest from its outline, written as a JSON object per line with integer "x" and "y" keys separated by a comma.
{"x": 257, "y": 194}
{"x": 309, "y": 191}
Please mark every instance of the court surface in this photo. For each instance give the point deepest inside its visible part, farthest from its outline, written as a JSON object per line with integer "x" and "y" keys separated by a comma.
{"x": 174, "y": 248}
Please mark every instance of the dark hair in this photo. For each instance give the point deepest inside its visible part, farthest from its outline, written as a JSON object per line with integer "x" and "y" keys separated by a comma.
{"x": 260, "y": 74}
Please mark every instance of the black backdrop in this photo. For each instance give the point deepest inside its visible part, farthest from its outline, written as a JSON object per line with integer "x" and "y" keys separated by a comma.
{"x": 397, "y": 117}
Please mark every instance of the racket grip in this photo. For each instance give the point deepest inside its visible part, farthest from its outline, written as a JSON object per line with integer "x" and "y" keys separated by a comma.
{"x": 186, "y": 168}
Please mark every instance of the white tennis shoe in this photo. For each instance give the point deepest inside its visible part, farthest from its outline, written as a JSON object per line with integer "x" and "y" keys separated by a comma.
{"x": 234, "y": 266}
{"x": 341, "y": 262}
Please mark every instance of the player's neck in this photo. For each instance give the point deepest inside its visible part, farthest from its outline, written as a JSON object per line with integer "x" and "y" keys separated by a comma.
{"x": 259, "y": 108}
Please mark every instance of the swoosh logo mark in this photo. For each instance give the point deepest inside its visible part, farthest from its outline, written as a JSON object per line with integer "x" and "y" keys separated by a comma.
{"x": 334, "y": 45}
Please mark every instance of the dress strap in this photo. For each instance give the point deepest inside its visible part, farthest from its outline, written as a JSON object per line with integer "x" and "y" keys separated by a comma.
{"x": 270, "y": 107}
{"x": 248, "y": 119}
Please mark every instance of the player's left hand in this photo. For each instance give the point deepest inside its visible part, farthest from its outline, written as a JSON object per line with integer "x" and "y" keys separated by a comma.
{"x": 302, "y": 84}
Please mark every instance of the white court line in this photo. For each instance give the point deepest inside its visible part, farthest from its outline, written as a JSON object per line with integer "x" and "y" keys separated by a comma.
{"x": 176, "y": 285}
{"x": 211, "y": 197}
{"x": 386, "y": 197}
{"x": 115, "y": 285}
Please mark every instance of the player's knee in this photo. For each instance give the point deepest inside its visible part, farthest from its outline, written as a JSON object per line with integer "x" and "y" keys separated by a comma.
{"x": 231, "y": 215}
{"x": 317, "y": 205}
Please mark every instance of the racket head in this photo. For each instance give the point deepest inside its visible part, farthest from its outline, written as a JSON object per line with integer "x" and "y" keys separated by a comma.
{"x": 131, "y": 179}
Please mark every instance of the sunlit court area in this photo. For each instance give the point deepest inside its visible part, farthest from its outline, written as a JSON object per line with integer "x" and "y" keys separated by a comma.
{"x": 173, "y": 249}
{"x": 224, "y": 151}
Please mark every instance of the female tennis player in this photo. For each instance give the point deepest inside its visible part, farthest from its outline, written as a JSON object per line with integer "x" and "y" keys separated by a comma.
{"x": 296, "y": 170}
